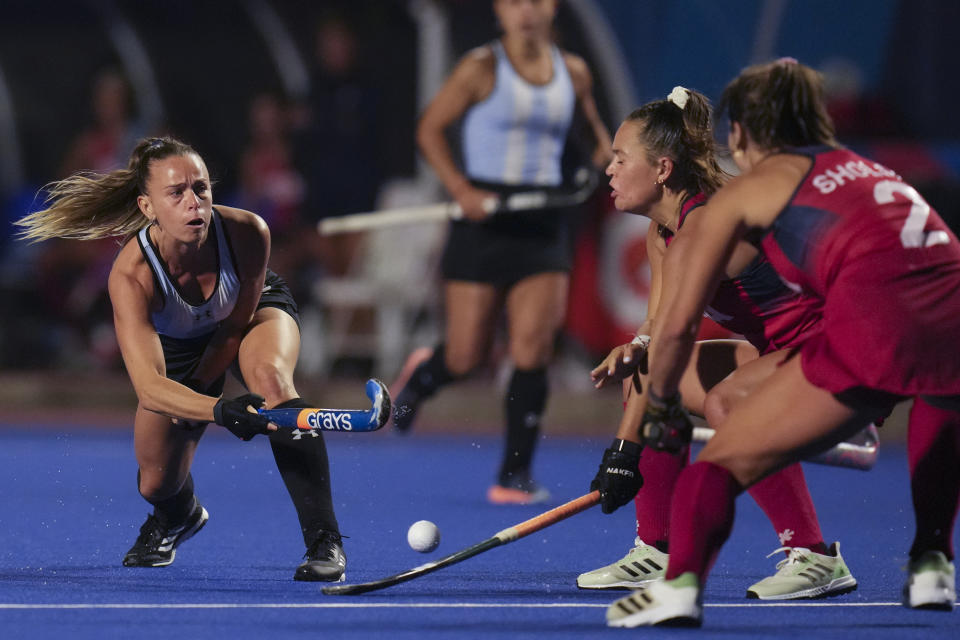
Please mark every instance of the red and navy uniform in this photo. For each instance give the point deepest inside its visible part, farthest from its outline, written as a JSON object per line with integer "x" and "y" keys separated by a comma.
{"x": 757, "y": 304}
{"x": 888, "y": 269}
{"x": 771, "y": 316}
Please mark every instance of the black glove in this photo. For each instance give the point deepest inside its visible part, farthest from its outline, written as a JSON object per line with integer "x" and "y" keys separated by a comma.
{"x": 233, "y": 415}
{"x": 666, "y": 425}
{"x": 618, "y": 478}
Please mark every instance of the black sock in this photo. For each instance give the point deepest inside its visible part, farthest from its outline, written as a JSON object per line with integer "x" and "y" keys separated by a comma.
{"x": 525, "y": 402}
{"x": 175, "y": 510}
{"x": 430, "y": 375}
{"x": 302, "y": 461}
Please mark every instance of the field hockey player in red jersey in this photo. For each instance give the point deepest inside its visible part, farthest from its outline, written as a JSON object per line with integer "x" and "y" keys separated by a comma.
{"x": 848, "y": 230}
{"x": 665, "y": 167}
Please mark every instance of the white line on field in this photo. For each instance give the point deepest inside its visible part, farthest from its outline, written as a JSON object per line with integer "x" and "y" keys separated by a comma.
{"x": 404, "y": 605}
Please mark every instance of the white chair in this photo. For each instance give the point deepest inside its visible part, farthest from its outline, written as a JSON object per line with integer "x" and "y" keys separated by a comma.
{"x": 395, "y": 276}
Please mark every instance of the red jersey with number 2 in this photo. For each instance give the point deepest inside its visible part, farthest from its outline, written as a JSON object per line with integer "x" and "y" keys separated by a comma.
{"x": 888, "y": 269}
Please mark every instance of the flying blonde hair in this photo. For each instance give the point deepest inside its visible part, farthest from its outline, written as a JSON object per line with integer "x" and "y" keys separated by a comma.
{"x": 90, "y": 206}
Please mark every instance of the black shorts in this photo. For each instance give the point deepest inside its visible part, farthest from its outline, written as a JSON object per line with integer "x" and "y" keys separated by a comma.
{"x": 182, "y": 355}
{"x": 276, "y": 293}
{"x": 508, "y": 247}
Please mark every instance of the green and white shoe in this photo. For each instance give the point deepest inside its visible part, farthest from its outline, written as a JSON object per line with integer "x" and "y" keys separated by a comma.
{"x": 642, "y": 565}
{"x": 932, "y": 583}
{"x": 805, "y": 574}
{"x": 674, "y": 602}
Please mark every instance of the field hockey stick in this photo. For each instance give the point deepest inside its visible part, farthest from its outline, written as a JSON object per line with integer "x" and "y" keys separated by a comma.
{"x": 585, "y": 182}
{"x": 337, "y": 419}
{"x": 506, "y": 536}
{"x": 859, "y": 452}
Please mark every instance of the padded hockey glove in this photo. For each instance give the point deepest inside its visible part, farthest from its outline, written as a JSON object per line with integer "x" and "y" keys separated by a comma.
{"x": 233, "y": 415}
{"x": 618, "y": 478}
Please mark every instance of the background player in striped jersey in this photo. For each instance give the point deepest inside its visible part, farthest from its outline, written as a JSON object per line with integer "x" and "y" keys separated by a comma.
{"x": 664, "y": 167}
{"x": 516, "y": 97}
{"x": 838, "y": 226}
{"x": 192, "y": 296}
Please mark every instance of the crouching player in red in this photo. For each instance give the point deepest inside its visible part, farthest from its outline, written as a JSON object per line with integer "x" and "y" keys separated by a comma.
{"x": 664, "y": 166}
{"x": 835, "y": 225}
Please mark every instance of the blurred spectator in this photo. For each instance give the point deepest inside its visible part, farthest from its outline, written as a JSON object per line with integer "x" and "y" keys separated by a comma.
{"x": 337, "y": 147}
{"x": 269, "y": 184}
{"x": 71, "y": 275}
{"x": 113, "y": 129}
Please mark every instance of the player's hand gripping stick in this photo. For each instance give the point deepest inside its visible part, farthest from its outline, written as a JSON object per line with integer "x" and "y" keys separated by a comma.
{"x": 618, "y": 479}
{"x": 352, "y": 420}
{"x": 235, "y": 416}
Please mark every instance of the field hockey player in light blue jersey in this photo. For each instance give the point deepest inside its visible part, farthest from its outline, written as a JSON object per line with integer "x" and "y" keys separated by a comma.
{"x": 516, "y": 97}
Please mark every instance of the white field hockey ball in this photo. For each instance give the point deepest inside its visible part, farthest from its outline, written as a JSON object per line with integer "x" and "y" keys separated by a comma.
{"x": 423, "y": 536}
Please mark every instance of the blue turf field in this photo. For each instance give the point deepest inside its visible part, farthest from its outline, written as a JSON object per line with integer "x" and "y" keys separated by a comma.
{"x": 71, "y": 510}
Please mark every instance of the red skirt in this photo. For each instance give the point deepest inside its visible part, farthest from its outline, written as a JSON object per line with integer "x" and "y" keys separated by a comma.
{"x": 889, "y": 327}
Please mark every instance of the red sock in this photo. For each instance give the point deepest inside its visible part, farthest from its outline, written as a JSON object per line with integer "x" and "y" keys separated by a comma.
{"x": 933, "y": 448}
{"x": 660, "y": 471}
{"x": 785, "y": 499}
{"x": 701, "y": 518}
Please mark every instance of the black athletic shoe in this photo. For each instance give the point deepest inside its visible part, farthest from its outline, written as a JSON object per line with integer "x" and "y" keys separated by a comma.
{"x": 324, "y": 560}
{"x": 156, "y": 546}
{"x": 405, "y": 410}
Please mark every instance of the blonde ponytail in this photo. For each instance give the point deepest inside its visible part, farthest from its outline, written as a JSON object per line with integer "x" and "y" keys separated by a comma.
{"x": 89, "y": 206}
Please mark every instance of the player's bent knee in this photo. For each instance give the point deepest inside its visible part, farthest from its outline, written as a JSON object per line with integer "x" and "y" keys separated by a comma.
{"x": 716, "y": 408}
{"x": 153, "y": 489}
{"x": 747, "y": 467}
{"x": 271, "y": 381}
{"x": 531, "y": 356}
{"x": 462, "y": 365}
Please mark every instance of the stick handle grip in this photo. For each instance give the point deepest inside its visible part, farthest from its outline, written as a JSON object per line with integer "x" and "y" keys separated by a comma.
{"x": 548, "y": 518}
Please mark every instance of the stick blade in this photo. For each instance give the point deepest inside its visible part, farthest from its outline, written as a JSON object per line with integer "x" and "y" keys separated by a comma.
{"x": 380, "y": 398}
{"x": 416, "y": 572}
{"x": 506, "y": 536}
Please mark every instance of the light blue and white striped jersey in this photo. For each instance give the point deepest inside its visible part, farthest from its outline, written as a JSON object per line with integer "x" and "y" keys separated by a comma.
{"x": 178, "y": 318}
{"x": 516, "y": 135}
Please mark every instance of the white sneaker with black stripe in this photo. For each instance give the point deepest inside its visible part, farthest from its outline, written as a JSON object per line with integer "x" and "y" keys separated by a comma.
{"x": 805, "y": 574}
{"x": 676, "y": 603}
{"x": 642, "y": 565}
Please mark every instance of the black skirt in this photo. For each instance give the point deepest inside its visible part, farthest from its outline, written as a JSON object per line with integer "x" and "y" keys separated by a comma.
{"x": 509, "y": 246}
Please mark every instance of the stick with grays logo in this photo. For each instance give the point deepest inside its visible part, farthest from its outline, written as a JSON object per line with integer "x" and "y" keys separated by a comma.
{"x": 337, "y": 419}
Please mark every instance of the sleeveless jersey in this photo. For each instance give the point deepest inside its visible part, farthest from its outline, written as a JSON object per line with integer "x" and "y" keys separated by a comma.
{"x": 516, "y": 135}
{"x": 178, "y": 318}
{"x": 757, "y": 304}
{"x": 888, "y": 268}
